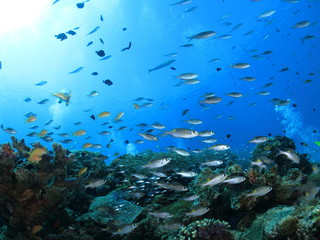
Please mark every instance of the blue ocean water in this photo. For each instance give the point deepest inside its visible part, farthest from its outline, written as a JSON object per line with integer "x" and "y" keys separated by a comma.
{"x": 30, "y": 53}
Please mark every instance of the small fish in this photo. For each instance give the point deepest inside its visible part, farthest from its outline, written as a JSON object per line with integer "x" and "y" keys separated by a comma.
{"x": 148, "y": 136}
{"x": 219, "y": 147}
{"x": 32, "y": 134}
{"x": 107, "y": 82}
{"x": 259, "y": 139}
{"x": 209, "y": 140}
{"x": 187, "y": 45}
{"x": 125, "y": 229}
{"x": 199, "y": 211}
{"x": 194, "y": 121}
{"x": 94, "y": 30}
{"x": 67, "y": 141}
{"x": 213, "y": 163}
{"x": 8, "y": 130}
{"x": 104, "y": 114}
{"x": 211, "y": 100}
{"x": 93, "y": 117}
{"x": 182, "y": 133}
{"x": 101, "y": 18}
{"x": 190, "y": 198}
{"x": 27, "y": 100}
{"x": 173, "y": 187}
{"x": 49, "y": 122}
{"x": 161, "y": 214}
{"x": 80, "y": 132}
{"x": 260, "y": 191}
{"x": 118, "y": 116}
{"x": 217, "y": 179}
{"x": 36, "y": 155}
{"x": 235, "y": 180}
{"x": 248, "y": 79}
{"x": 302, "y": 24}
{"x": 95, "y": 184}
{"x": 101, "y": 41}
{"x": 267, "y": 13}
{"x": 54, "y": 2}
{"x": 80, "y": 5}
{"x": 105, "y": 58}
{"x": 89, "y": 43}
{"x": 181, "y": 152}
{"x": 240, "y": 65}
{"x": 225, "y": 36}
{"x": 87, "y": 145}
{"x": 126, "y": 48}
{"x": 157, "y": 163}
{"x": 44, "y": 101}
{"x": 171, "y": 226}
{"x": 82, "y": 171}
{"x": 97, "y": 146}
{"x": 76, "y": 70}
{"x": 182, "y": 2}
{"x": 165, "y": 64}
{"x": 71, "y": 32}
{"x": 41, "y": 83}
{"x": 290, "y": 154}
{"x": 61, "y": 36}
{"x": 207, "y": 133}
{"x": 202, "y": 35}
{"x": 31, "y": 119}
{"x": 187, "y": 174}
{"x": 191, "y": 9}
{"x": 187, "y": 76}
{"x": 100, "y": 53}
{"x": 185, "y": 112}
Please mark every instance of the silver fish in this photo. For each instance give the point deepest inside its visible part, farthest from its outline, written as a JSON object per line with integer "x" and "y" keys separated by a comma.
{"x": 157, "y": 163}
{"x": 199, "y": 211}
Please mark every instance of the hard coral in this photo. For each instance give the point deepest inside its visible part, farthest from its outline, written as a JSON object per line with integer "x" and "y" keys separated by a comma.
{"x": 207, "y": 229}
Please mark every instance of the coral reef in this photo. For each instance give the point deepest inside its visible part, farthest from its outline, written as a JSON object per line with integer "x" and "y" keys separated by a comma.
{"x": 61, "y": 194}
{"x": 206, "y": 229}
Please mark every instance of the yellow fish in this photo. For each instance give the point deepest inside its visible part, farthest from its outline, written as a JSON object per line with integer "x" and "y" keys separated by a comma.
{"x": 36, "y": 155}
{"x": 104, "y": 114}
{"x": 42, "y": 133}
{"x": 61, "y": 96}
{"x": 136, "y": 106}
{"x": 82, "y": 171}
{"x": 79, "y": 133}
{"x": 31, "y": 119}
{"x": 86, "y": 145}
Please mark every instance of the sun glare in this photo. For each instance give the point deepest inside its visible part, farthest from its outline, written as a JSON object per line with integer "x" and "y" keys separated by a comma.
{"x": 15, "y": 14}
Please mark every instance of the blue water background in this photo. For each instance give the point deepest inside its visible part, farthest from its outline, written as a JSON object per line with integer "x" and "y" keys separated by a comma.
{"x": 32, "y": 54}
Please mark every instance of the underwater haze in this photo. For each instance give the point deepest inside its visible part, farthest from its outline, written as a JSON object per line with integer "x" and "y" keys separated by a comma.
{"x": 69, "y": 61}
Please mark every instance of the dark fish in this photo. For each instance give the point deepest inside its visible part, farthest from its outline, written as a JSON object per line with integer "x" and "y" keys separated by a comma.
{"x": 89, "y": 43}
{"x": 124, "y": 29}
{"x": 236, "y": 27}
{"x": 105, "y": 58}
{"x": 101, "y": 18}
{"x": 100, "y": 53}
{"x": 41, "y": 83}
{"x": 101, "y": 41}
{"x": 165, "y": 64}
{"x": 87, "y": 110}
{"x": 8, "y": 130}
{"x": 172, "y": 68}
{"x": 313, "y": 109}
{"x": 80, "y": 5}
{"x": 49, "y": 122}
{"x": 127, "y": 48}
{"x": 44, "y": 101}
{"x": 34, "y": 127}
{"x": 47, "y": 139}
{"x": 314, "y": 131}
{"x": 71, "y": 32}
{"x": 126, "y": 141}
{"x": 55, "y": 2}
{"x": 184, "y": 112}
{"x": 111, "y": 140}
{"x": 27, "y": 100}
{"x": 110, "y": 127}
{"x": 187, "y": 45}
{"x": 294, "y": 105}
{"x": 218, "y": 69}
{"x": 284, "y": 69}
{"x": 93, "y": 117}
{"x": 32, "y": 134}
{"x": 149, "y": 99}
{"x": 191, "y": 9}
{"x": 108, "y": 82}
{"x": 78, "y": 123}
{"x": 0, "y": 65}
{"x": 76, "y": 28}
{"x": 66, "y": 141}
{"x": 57, "y": 127}
{"x": 61, "y": 36}
{"x": 77, "y": 70}
{"x": 94, "y": 74}
{"x": 269, "y": 134}
{"x": 228, "y": 136}
{"x": 94, "y": 30}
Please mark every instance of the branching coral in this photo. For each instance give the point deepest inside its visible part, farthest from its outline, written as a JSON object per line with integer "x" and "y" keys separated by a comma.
{"x": 207, "y": 229}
